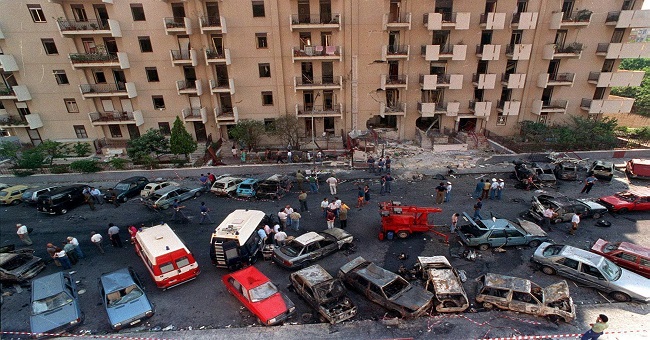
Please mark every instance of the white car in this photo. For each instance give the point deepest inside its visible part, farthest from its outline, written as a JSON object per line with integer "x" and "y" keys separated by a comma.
{"x": 153, "y": 186}
{"x": 224, "y": 186}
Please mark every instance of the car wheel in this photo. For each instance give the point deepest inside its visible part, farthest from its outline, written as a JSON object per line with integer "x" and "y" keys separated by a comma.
{"x": 487, "y": 305}
{"x": 16, "y": 202}
{"x": 64, "y": 211}
{"x": 620, "y": 297}
{"x": 124, "y": 199}
{"x": 402, "y": 234}
{"x": 534, "y": 243}
{"x": 548, "y": 270}
{"x": 623, "y": 211}
{"x": 484, "y": 246}
{"x": 197, "y": 194}
{"x": 597, "y": 215}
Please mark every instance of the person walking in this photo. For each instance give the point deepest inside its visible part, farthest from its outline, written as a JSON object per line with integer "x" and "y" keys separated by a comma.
{"x": 387, "y": 161}
{"x": 77, "y": 249}
{"x": 380, "y": 165}
{"x": 301, "y": 179}
{"x": 589, "y": 182}
{"x": 382, "y": 183}
{"x": 63, "y": 258}
{"x": 502, "y": 185}
{"x": 366, "y": 195}
{"x": 313, "y": 183}
{"x": 112, "y": 197}
{"x": 360, "y": 197}
{"x": 204, "y": 213}
{"x": 389, "y": 180}
{"x": 454, "y": 222}
{"x": 597, "y": 328}
{"x": 289, "y": 156}
{"x": 486, "y": 189}
{"x": 97, "y": 240}
{"x": 330, "y": 217}
{"x": 343, "y": 215}
{"x": 493, "y": 188}
{"x": 295, "y": 220}
{"x": 548, "y": 215}
{"x": 371, "y": 164}
{"x": 242, "y": 156}
{"x": 280, "y": 237}
{"x": 97, "y": 195}
{"x": 448, "y": 192}
{"x": 302, "y": 199}
{"x": 441, "y": 189}
{"x": 51, "y": 250}
{"x": 478, "y": 191}
{"x": 575, "y": 221}
{"x": 332, "y": 181}
{"x": 88, "y": 199}
{"x": 204, "y": 182}
{"x": 234, "y": 151}
{"x": 133, "y": 232}
{"x": 23, "y": 234}
{"x": 477, "y": 208}
{"x": 114, "y": 235}
{"x": 69, "y": 251}
{"x": 178, "y": 212}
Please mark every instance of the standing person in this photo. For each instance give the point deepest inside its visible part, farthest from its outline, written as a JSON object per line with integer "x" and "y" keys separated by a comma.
{"x": 493, "y": 188}
{"x": 486, "y": 189}
{"x": 51, "y": 250}
{"x": 502, "y": 185}
{"x": 313, "y": 183}
{"x": 288, "y": 210}
{"x": 381, "y": 164}
{"x": 478, "y": 191}
{"x": 242, "y": 157}
{"x": 548, "y": 216}
{"x": 360, "y": 196}
{"x": 178, "y": 212}
{"x": 382, "y": 183}
{"x": 63, "y": 258}
{"x": 323, "y": 206}
{"x": 575, "y": 221}
{"x": 332, "y": 181}
{"x": 204, "y": 213}
{"x": 88, "y": 198}
{"x": 23, "y": 234}
{"x": 441, "y": 189}
{"x": 330, "y": 217}
{"x": 343, "y": 215}
{"x": 319, "y": 157}
{"x": 448, "y": 192}
{"x": 366, "y": 195}
{"x": 295, "y": 220}
{"x": 389, "y": 180}
{"x": 332, "y": 207}
{"x": 301, "y": 179}
{"x": 388, "y": 164}
{"x": 283, "y": 218}
{"x": 204, "y": 182}
{"x": 302, "y": 198}
{"x": 454, "y": 222}
{"x": 97, "y": 239}
{"x": 589, "y": 182}
{"x": 597, "y": 328}
{"x": 477, "y": 208}
{"x": 234, "y": 151}
{"x": 97, "y": 195}
{"x": 280, "y": 237}
{"x": 263, "y": 235}
{"x": 112, "y": 197}
{"x": 114, "y": 235}
{"x": 371, "y": 164}
{"x": 337, "y": 204}
{"x": 69, "y": 251}
{"x": 211, "y": 178}
{"x": 77, "y": 249}
{"x": 289, "y": 156}
{"x": 133, "y": 231}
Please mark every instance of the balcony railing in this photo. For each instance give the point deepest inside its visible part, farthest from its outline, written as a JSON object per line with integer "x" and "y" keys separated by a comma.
{"x": 209, "y": 21}
{"x": 403, "y": 18}
{"x": 186, "y": 84}
{"x": 396, "y": 79}
{"x": 212, "y": 53}
{"x": 89, "y": 25}
{"x": 394, "y": 107}
{"x": 581, "y": 16}
{"x": 318, "y": 109}
{"x": 8, "y": 120}
{"x": 102, "y": 88}
{"x": 317, "y": 51}
{"x": 86, "y": 58}
{"x": 397, "y": 49}
{"x": 318, "y": 81}
{"x": 174, "y": 22}
{"x": 181, "y": 55}
{"x": 322, "y": 19}
{"x": 554, "y": 104}
{"x": 116, "y": 116}
{"x": 192, "y": 113}
{"x": 6, "y": 90}
{"x": 220, "y": 83}
{"x": 561, "y": 77}
{"x": 575, "y": 48}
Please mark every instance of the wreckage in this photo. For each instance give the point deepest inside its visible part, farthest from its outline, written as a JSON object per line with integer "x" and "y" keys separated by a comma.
{"x": 445, "y": 284}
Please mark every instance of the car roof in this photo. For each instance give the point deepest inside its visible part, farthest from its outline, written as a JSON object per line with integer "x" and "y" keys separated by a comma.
{"x": 425, "y": 261}
{"x": 603, "y": 163}
{"x": 507, "y": 282}
{"x": 116, "y": 280}
{"x": 377, "y": 275}
{"x": 133, "y": 178}
{"x": 634, "y": 249}
{"x": 239, "y": 225}
{"x": 276, "y": 178}
{"x": 166, "y": 190}
{"x": 226, "y": 179}
{"x": 47, "y": 286}
{"x": 314, "y": 275}
{"x": 308, "y": 238}
{"x": 159, "y": 240}
{"x": 250, "y": 181}
{"x": 65, "y": 188}
{"x": 582, "y": 255}
{"x": 16, "y": 187}
{"x": 250, "y": 277}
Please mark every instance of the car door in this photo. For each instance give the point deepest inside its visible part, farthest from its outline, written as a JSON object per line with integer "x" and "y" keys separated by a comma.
{"x": 568, "y": 268}
{"x": 524, "y": 302}
{"x": 592, "y": 276}
{"x": 497, "y": 238}
{"x": 642, "y": 203}
{"x": 515, "y": 237}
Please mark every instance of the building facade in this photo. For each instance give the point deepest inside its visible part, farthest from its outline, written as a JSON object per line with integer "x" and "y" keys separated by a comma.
{"x": 105, "y": 71}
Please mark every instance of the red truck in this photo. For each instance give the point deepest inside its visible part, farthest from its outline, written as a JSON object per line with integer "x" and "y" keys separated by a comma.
{"x": 403, "y": 220}
{"x": 638, "y": 168}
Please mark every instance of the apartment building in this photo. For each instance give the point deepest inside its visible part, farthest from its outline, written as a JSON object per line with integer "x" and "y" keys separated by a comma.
{"x": 105, "y": 71}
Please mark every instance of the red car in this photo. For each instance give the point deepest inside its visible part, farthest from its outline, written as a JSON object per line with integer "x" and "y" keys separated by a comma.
{"x": 627, "y": 255}
{"x": 259, "y": 295}
{"x": 636, "y": 199}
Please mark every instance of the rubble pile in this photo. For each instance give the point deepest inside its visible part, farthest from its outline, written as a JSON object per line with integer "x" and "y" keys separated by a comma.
{"x": 414, "y": 159}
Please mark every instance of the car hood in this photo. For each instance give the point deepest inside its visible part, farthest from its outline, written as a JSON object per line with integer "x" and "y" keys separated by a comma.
{"x": 592, "y": 205}
{"x": 635, "y": 284}
{"x": 412, "y": 298}
{"x": 599, "y": 245}
{"x": 556, "y": 292}
{"x": 48, "y": 321}
{"x": 273, "y": 306}
{"x": 613, "y": 200}
{"x": 129, "y": 310}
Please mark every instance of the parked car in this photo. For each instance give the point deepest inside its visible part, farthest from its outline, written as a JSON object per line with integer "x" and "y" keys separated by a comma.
{"x": 274, "y": 187}
{"x": 4, "y": 186}
{"x": 124, "y": 299}
{"x": 247, "y": 188}
{"x": 60, "y": 200}
{"x": 445, "y": 284}
{"x": 164, "y": 198}
{"x": 30, "y": 196}
{"x": 565, "y": 208}
{"x": 524, "y": 296}
{"x": 12, "y": 195}
{"x": 625, "y": 254}
{"x": 311, "y": 246}
{"x": 543, "y": 174}
{"x": 385, "y": 288}
{"x": 592, "y": 270}
{"x": 55, "y": 304}
{"x": 259, "y": 295}
{"x": 602, "y": 170}
{"x": 636, "y": 199}
{"x": 323, "y": 293}
{"x": 127, "y": 188}
{"x": 225, "y": 186}
{"x": 638, "y": 168}
{"x": 567, "y": 171}
{"x": 19, "y": 265}
{"x": 155, "y": 186}
{"x": 499, "y": 232}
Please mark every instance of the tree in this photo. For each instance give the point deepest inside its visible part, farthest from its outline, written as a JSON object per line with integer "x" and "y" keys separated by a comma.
{"x": 248, "y": 132}
{"x": 289, "y": 130}
{"x": 52, "y": 149}
{"x": 181, "y": 142}
{"x": 152, "y": 142}
{"x": 9, "y": 150}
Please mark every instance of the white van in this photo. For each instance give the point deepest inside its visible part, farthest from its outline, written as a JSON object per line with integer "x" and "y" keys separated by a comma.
{"x": 235, "y": 241}
{"x": 224, "y": 186}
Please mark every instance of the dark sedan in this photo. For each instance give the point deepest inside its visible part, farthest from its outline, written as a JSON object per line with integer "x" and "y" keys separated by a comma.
{"x": 126, "y": 189}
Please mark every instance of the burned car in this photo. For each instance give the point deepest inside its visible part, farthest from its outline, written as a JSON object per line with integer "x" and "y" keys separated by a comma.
{"x": 385, "y": 288}
{"x": 445, "y": 284}
{"x": 274, "y": 187}
{"x": 521, "y": 295}
{"x": 323, "y": 293}
{"x": 564, "y": 208}
{"x": 567, "y": 171}
{"x": 311, "y": 246}
{"x": 543, "y": 174}
{"x": 499, "y": 232}
{"x": 19, "y": 265}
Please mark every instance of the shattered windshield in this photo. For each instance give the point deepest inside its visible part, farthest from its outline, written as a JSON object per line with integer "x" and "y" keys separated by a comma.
{"x": 50, "y": 303}
{"x": 123, "y": 296}
{"x": 611, "y": 271}
{"x": 262, "y": 292}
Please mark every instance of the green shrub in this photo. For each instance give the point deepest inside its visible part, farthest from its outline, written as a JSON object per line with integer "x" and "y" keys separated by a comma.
{"x": 22, "y": 172}
{"x": 81, "y": 149}
{"x": 59, "y": 169}
{"x": 118, "y": 163}
{"x": 85, "y": 165}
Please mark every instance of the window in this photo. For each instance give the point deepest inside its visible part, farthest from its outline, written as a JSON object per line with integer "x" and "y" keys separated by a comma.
{"x": 258, "y": 9}
{"x": 269, "y": 124}
{"x": 261, "y": 40}
{"x": 116, "y": 132}
{"x": 49, "y": 46}
{"x": 158, "y": 102}
{"x": 498, "y": 234}
{"x": 626, "y": 257}
{"x": 167, "y": 266}
{"x": 164, "y": 128}
{"x": 61, "y": 78}
{"x": 145, "y": 44}
{"x": 71, "y": 105}
{"x": 265, "y": 70}
{"x": 137, "y": 11}
{"x": 267, "y": 98}
{"x": 569, "y": 263}
{"x": 80, "y": 131}
{"x": 593, "y": 271}
{"x": 79, "y": 13}
{"x": 152, "y": 74}
{"x": 37, "y": 13}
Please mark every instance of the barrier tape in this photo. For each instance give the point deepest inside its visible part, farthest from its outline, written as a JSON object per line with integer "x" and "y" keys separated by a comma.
{"x": 570, "y": 335}
{"x": 82, "y": 335}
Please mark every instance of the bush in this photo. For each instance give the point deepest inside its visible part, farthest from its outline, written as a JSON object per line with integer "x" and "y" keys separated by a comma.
{"x": 22, "y": 172}
{"x": 118, "y": 163}
{"x": 86, "y": 165}
{"x": 81, "y": 149}
{"x": 59, "y": 169}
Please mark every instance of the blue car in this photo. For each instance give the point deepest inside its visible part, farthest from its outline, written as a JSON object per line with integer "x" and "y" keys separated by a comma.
{"x": 124, "y": 298}
{"x": 248, "y": 188}
{"x": 55, "y": 305}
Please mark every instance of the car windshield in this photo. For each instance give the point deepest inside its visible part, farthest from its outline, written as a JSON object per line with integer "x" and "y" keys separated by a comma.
{"x": 262, "y": 292}
{"x": 50, "y": 303}
{"x": 626, "y": 196}
{"x": 292, "y": 249}
{"x": 122, "y": 186}
{"x": 123, "y": 296}
{"x": 245, "y": 186}
{"x": 473, "y": 229}
{"x": 395, "y": 287}
{"x": 3, "y": 193}
{"x": 611, "y": 271}
{"x": 219, "y": 185}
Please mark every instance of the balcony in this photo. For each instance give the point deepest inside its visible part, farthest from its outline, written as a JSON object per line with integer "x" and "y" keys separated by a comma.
{"x": 195, "y": 115}
{"x": 184, "y": 57}
{"x": 319, "y": 111}
{"x": 629, "y": 19}
{"x": 484, "y": 81}
{"x": 222, "y": 86}
{"x": 480, "y": 109}
{"x": 394, "y": 81}
{"x": 552, "y": 51}
{"x": 623, "y": 50}
{"x": 116, "y": 118}
{"x": 579, "y": 18}
{"x": 397, "y": 21}
{"x": 226, "y": 115}
{"x": 524, "y": 20}
{"x": 317, "y": 53}
{"x": 394, "y": 109}
{"x": 493, "y": 21}
{"x": 210, "y": 25}
{"x": 440, "y": 21}
{"x": 220, "y": 56}
{"x": 514, "y": 80}
{"x": 10, "y": 121}
{"x": 392, "y": 52}
{"x": 194, "y": 87}
{"x": 508, "y": 108}
{"x": 318, "y": 83}
{"x": 94, "y": 60}
{"x": 488, "y": 52}
{"x": 316, "y": 21}
{"x": 62, "y": 1}
{"x": 16, "y": 92}
{"x": 8, "y": 63}
{"x": 443, "y": 52}
{"x": 613, "y": 104}
{"x": 449, "y": 109}
{"x": 549, "y": 106}
{"x": 438, "y": 81}
{"x": 72, "y": 28}
{"x": 177, "y": 25}
{"x": 108, "y": 90}
{"x": 618, "y": 78}
{"x": 545, "y": 80}
{"x": 519, "y": 51}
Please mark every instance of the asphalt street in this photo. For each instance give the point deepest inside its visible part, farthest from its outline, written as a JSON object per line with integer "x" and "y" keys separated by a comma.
{"x": 205, "y": 304}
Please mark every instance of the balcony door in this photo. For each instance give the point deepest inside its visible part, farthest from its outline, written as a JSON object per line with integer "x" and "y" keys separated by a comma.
{"x": 217, "y": 42}
{"x": 560, "y": 38}
{"x": 392, "y": 97}
{"x": 486, "y": 37}
{"x": 212, "y": 10}
{"x": 327, "y": 68}
{"x": 440, "y": 38}
{"x": 329, "y": 100}
{"x": 307, "y": 72}
{"x": 547, "y": 96}
{"x": 102, "y": 15}
{"x": 432, "y": 96}
{"x": 89, "y": 45}
{"x": 308, "y": 100}
{"x": 119, "y": 77}
{"x": 325, "y": 11}
{"x": 303, "y": 11}
{"x": 134, "y": 132}
{"x": 553, "y": 66}
{"x": 199, "y": 131}
{"x": 184, "y": 44}
{"x": 195, "y": 103}
{"x": 225, "y": 102}
{"x": 393, "y": 41}
{"x": 222, "y": 74}
{"x": 190, "y": 74}
{"x": 326, "y": 38}
{"x": 305, "y": 39}
{"x": 107, "y": 105}
{"x": 395, "y": 7}
{"x": 567, "y": 8}
{"x": 178, "y": 11}
{"x": 110, "y": 45}
{"x": 393, "y": 71}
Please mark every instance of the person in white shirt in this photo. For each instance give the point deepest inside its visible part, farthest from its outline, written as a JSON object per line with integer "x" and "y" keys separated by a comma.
{"x": 73, "y": 241}
{"x": 448, "y": 192}
{"x": 283, "y": 217}
{"x": 575, "y": 221}
{"x": 323, "y": 206}
{"x": 493, "y": 188}
{"x": 23, "y": 234}
{"x": 332, "y": 181}
{"x": 288, "y": 210}
{"x": 289, "y": 157}
{"x": 97, "y": 239}
{"x": 276, "y": 228}
{"x": 548, "y": 216}
{"x": 280, "y": 237}
{"x": 500, "y": 188}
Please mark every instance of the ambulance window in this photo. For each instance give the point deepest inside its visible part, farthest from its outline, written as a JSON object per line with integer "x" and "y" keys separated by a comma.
{"x": 166, "y": 267}
{"x": 182, "y": 262}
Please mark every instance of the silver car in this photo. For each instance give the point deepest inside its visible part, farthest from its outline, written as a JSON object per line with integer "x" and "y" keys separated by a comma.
{"x": 55, "y": 305}
{"x": 311, "y": 246}
{"x": 592, "y": 270}
{"x": 124, "y": 298}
